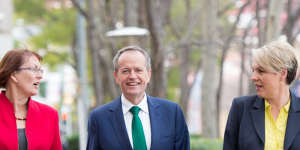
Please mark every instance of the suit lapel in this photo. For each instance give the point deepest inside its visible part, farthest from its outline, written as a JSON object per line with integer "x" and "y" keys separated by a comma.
{"x": 118, "y": 124}
{"x": 155, "y": 119}
{"x": 292, "y": 127}
{"x": 258, "y": 117}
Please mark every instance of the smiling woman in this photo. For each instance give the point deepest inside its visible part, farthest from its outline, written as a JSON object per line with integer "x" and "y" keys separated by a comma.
{"x": 22, "y": 120}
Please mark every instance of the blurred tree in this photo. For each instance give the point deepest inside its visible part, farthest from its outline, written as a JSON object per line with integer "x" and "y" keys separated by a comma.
{"x": 99, "y": 20}
{"x": 274, "y": 13}
{"x": 130, "y": 12}
{"x": 32, "y": 10}
{"x": 57, "y": 28}
{"x": 94, "y": 44}
{"x": 293, "y": 15}
{"x": 181, "y": 42}
{"x": 209, "y": 81}
{"x": 229, "y": 37}
{"x": 157, "y": 12}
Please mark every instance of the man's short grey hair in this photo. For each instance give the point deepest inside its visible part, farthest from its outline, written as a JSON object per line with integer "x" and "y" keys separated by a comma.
{"x": 131, "y": 48}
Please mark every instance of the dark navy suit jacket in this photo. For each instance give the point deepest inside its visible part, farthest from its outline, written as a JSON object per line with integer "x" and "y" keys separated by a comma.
{"x": 107, "y": 130}
{"x": 245, "y": 129}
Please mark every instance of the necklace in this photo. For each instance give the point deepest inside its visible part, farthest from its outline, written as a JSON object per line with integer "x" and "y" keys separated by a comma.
{"x": 22, "y": 119}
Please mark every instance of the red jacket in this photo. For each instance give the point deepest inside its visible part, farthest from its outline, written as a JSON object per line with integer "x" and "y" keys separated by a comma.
{"x": 42, "y": 129}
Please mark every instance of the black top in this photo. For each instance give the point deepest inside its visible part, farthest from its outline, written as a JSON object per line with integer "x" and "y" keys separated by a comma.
{"x": 22, "y": 139}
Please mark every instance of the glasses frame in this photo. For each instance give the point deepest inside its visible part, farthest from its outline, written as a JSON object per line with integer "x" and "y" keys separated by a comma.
{"x": 34, "y": 70}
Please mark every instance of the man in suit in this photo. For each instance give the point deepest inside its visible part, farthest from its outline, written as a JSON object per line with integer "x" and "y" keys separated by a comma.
{"x": 135, "y": 120}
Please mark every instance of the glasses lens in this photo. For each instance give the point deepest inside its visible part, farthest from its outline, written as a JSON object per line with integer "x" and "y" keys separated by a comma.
{"x": 38, "y": 70}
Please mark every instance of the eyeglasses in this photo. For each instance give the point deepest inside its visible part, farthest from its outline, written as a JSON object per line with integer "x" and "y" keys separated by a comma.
{"x": 34, "y": 70}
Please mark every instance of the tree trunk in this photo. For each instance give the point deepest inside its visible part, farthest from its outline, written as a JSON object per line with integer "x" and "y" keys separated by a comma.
{"x": 225, "y": 49}
{"x": 111, "y": 15}
{"x": 209, "y": 81}
{"x": 142, "y": 18}
{"x": 130, "y": 12}
{"x": 273, "y": 19}
{"x": 243, "y": 56}
{"x": 292, "y": 19}
{"x": 261, "y": 39}
{"x": 259, "y": 24}
{"x": 93, "y": 49}
{"x": 158, "y": 85}
{"x": 184, "y": 71}
{"x": 101, "y": 56}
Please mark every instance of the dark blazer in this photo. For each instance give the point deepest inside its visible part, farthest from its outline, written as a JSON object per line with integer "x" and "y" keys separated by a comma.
{"x": 245, "y": 129}
{"x": 107, "y": 130}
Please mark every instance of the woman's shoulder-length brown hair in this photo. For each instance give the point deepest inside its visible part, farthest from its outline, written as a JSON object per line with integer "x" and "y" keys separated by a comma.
{"x": 12, "y": 61}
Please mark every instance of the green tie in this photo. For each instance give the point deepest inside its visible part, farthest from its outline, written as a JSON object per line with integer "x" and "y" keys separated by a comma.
{"x": 139, "y": 142}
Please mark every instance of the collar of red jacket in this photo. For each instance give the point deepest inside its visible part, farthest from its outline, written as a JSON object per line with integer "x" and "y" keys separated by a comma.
{"x": 8, "y": 104}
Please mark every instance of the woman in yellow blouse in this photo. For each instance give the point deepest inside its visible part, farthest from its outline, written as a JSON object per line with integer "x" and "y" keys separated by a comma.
{"x": 269, "y": 120}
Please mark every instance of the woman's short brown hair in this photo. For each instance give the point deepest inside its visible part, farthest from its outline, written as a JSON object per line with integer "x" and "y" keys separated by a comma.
{"x": 12, "y": 61}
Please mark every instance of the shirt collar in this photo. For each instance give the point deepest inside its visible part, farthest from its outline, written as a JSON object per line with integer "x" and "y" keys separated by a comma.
{"x": 126, "y": 104}
{"x": 267, "y": 104}
{"x": 285, "y": 107}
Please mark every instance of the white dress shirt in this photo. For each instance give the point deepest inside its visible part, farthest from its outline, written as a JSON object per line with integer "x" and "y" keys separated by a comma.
{"x": 144, "y": 116}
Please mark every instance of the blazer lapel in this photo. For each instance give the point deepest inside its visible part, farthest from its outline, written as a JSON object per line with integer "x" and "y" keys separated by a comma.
{"x": 258, "y": 117}
{"x": 155, "y": 119}
{"x": 292, "y": 127}
{"x": 118, "y": 124}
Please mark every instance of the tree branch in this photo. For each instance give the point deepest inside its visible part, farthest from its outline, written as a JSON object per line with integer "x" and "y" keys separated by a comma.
{"x": 80, "y": 9}
{"x": 292, "y": 19}
{"x": 232, "y": 31}
{"x": 172, "y": 27}
{"x": 225, "y": 8}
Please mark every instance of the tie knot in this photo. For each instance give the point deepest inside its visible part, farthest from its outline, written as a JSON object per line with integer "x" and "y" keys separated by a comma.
{"x": 135, "y": 110}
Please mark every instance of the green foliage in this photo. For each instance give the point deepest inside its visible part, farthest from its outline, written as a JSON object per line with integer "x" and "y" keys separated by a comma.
{"x": 30, "y": 10}
{"x": 73, "y": 142}
{"x": 52, "y": 58}
{"x": 179, "y": 9}
{"x": 195, "y": 57}
{"x": 173, "y": 83}
{"x": 173, "y": 76}
{"x": 57, "y": 28}
{"x": 172, "y": 94}
{"x": 198, "y": 143}
{"x": 178, "y": 13}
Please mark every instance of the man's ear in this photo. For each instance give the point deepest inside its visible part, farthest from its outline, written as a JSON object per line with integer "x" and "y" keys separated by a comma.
{"x": 116, "y": 76}
{"x": 149, "y": 74}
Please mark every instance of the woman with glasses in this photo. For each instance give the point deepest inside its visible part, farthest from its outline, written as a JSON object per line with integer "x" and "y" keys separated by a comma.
{"x": 270, "y": 119}
{"x": 24, "y": 123}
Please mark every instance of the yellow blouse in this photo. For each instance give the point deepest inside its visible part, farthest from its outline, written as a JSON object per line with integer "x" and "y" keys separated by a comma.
{"x": 275, "y": 129}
